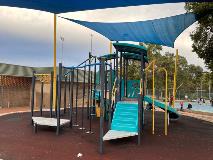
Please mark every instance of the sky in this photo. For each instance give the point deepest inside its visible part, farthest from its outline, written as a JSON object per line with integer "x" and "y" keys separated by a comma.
{"x": 26, "y": 36}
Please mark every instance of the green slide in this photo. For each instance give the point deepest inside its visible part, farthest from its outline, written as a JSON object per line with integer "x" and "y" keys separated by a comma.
{"x": 173, "y": 114}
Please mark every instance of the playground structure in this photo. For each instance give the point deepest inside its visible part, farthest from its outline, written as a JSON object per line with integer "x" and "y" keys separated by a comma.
{"x": 110, "y": 95}
{"x": 121, "y": 110}
{"x": 65, "y": 77}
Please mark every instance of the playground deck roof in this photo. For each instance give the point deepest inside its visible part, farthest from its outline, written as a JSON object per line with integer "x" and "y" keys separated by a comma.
{"x": 134, "y": 56}
{"x": 130, "y": 48}
{"x": 125, "y": 55}
{"x": 109, "y": 56}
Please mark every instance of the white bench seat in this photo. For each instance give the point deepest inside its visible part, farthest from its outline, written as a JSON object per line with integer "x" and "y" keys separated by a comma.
{"x": 43, "y": 121}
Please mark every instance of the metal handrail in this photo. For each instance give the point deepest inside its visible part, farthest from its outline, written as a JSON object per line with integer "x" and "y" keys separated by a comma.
{"x": 114, "y": 89}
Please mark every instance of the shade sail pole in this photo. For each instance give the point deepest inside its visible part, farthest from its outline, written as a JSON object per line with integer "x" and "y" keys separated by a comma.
{"x": 153, "y": 97}
{"x": 110, "y": 47}
{"x": 54, "y": 64}
{"x": 166, "y": 107}
{"x": 175, "y": 79}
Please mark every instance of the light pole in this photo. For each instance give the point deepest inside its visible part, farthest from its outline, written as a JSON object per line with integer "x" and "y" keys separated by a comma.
{"x": 62, "y": 47}
{"x": 91, "y": 38}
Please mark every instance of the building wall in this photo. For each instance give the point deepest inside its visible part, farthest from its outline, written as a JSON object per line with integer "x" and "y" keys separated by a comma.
{"x": 14, "y": 91}
{"x": 46, "y": 95}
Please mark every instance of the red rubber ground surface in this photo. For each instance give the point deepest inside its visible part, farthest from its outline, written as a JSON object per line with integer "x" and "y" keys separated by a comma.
{"x": 188, "y": 139}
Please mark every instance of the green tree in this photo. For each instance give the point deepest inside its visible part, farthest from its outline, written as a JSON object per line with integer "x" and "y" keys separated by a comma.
{"x": 202, "y": 37}
{"x": 133, "y": 70}
{"x": 189, "y": 76}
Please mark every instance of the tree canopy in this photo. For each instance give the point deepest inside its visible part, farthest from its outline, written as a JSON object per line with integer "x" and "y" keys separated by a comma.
{"x": 202, "y": 37}
{"x": 190, "y": 78}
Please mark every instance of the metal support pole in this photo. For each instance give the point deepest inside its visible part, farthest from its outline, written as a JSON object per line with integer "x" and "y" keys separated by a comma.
{"x": 124, "y": 75}
{"x": 56, "y": 100}
{"x": 127, "y": 64}
{"x": 65, "y": 94}
{"x": 94, "y": 92}
{"x": 166, "y": 107}
{"x": 51, "y": 96}
{"x": 82, "y": 108}
{"x": 41, "y": 98}
{"x": 71, "y": 96}
{"x": 59, "y": 99}
{"x": 89, "y": 100}
{"x": 110, "y": 99}
{"x": 88, "y": 87}
{"x": 139, "y": 117}
{"x": 120, "y": 79}
{"x": 105, "y": 94}
{"x": 102, "y": 72}
{"x": 76, "y": 101}
{"x": 153, "y": 97}
{"x": 33, "y": 95}
{"x": 143, "y": 89}
{"x": 117, "y": 81}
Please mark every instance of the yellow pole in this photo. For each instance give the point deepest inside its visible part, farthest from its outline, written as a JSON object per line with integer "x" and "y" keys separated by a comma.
{"x": 54, "y": 65}
{"x": 166, "y": 97}
{"x": 153, "y": 97}
{"x": 166, "y": 107}
{"x": 110, "y": 47}
{"x": 175, "y": 79}
{"x": 141, "y": 86}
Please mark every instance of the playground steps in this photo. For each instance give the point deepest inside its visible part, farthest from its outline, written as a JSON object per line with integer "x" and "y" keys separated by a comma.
{"x": 124, "y": 122}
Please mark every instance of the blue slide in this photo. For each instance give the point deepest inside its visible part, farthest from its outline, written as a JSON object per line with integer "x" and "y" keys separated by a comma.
{"x": 125, "y": 117}
{"x": 173, "y": 114}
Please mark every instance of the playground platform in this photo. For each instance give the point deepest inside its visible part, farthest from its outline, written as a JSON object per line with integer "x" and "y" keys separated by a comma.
{"x": 188, "y": 138}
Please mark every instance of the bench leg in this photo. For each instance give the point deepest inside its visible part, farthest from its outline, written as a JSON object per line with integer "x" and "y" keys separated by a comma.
{"x": 35, "y": 127}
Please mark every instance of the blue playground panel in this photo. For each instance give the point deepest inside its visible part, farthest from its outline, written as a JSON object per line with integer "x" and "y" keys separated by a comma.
{"x": 97, "y": 94}
{"x": 133, "y": 88}
{"x": 125, "y": 117}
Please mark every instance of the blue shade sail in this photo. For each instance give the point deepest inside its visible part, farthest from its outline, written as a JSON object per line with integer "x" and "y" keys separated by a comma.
{"x": 163, "y": 31}
{"x": 62, "y": 6}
